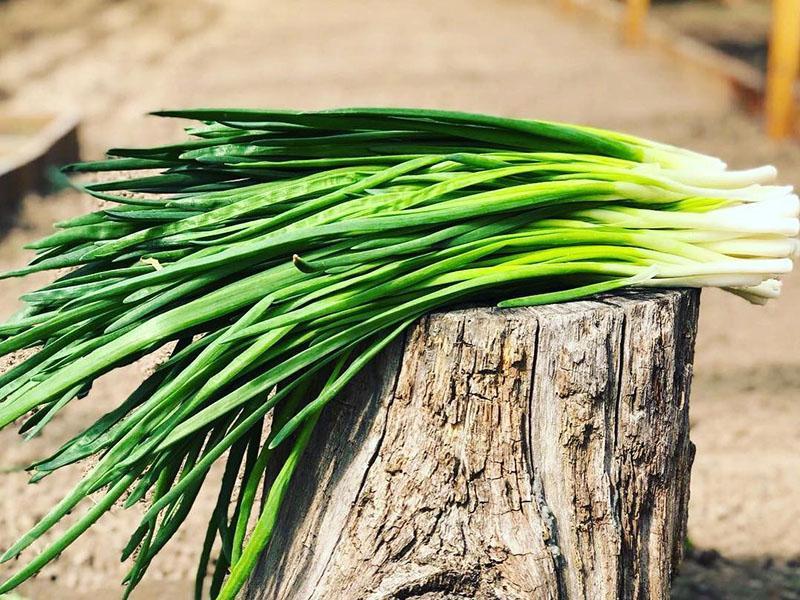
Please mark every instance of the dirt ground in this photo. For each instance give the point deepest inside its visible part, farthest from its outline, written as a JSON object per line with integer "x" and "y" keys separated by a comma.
{"x": 113, "y": 61}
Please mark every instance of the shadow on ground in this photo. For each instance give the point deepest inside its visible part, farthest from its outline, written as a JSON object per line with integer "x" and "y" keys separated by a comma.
{"x": 705, "y": 575}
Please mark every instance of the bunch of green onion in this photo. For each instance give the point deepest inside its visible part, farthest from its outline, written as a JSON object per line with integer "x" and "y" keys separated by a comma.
{"x": 275, "y": 253}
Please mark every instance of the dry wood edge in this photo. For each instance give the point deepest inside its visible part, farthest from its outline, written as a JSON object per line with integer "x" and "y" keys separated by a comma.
{"x": 49, "y": 141}
{"x": 527, "y": 453}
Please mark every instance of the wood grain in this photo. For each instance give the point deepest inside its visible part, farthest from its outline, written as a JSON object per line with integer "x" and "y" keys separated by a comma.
{"x": 501, "y": 454}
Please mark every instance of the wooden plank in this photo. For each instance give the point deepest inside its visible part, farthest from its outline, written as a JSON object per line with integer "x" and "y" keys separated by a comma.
{"x": 783, "y": 67}
{"x": 527, "y": 453}
{"x": 29, "y": 146}
{"x": 747, "y": 81}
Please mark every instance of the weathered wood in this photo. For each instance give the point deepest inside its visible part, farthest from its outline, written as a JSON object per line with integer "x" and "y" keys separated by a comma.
{"x": 503, "y": 454}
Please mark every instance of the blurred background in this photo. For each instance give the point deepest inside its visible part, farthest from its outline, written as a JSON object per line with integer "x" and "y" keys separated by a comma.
{"x": 79, "y": 75}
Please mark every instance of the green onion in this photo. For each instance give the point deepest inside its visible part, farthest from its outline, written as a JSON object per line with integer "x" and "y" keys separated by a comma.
{"x": 280, "y": 251}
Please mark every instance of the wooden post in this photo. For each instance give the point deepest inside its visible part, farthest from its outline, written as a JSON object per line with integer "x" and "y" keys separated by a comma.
{"x": 783, "y": 67}
{"x": 634, "y": 22}
{"x": 516, "y": 454}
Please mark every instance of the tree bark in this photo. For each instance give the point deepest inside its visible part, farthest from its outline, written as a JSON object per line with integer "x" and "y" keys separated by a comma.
{"x": 501, "y": 454}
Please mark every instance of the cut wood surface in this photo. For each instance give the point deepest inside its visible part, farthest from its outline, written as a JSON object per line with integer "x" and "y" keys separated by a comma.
{"x": 526, "y": 453}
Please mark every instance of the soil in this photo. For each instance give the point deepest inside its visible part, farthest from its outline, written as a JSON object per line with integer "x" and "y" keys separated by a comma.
{"x": 113, "y": 61}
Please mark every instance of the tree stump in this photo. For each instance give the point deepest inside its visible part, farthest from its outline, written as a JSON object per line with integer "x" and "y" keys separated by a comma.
{"x": 501, "y": 454}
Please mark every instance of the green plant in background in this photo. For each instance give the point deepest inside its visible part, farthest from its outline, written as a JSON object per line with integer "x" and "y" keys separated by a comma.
{"x": 277, "y": 252}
